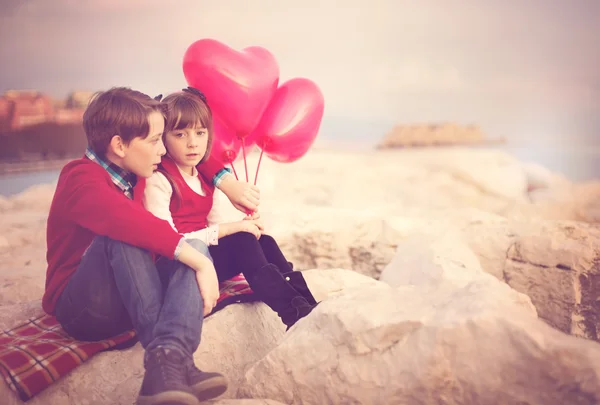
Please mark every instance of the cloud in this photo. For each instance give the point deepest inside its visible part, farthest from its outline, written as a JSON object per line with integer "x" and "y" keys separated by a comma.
{"x": 480, "y": 60}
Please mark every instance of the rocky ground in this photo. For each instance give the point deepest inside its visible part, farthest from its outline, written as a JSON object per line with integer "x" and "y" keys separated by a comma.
{"x": 448, "y": 276}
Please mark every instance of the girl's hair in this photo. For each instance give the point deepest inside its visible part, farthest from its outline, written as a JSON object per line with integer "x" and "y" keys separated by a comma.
{"x": 188, "y": 109}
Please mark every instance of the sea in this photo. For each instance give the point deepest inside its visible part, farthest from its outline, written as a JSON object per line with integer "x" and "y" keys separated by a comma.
{"x": 576, "y": 163}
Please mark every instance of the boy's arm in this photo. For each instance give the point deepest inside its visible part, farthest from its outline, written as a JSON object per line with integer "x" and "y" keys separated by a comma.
{"x": 104, "y": 210}
{"x": 245, "y": 197}
{"x": 212, "y": 169}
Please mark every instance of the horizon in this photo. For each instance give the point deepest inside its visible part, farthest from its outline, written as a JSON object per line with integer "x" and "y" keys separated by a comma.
{"x": 528, "y": 72}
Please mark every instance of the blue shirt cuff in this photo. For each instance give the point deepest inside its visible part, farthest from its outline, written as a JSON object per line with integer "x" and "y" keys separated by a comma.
{"x": 220, "y": 176}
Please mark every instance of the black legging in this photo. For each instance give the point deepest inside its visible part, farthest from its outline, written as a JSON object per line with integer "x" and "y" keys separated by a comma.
{"x": 242, "y": 253}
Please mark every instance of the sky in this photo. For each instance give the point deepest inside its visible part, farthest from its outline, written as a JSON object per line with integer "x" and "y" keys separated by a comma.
{"x": 528, "y": 70}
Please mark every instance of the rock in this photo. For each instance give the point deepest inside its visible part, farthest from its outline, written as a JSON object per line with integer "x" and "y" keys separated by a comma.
{"x": 328, "y": 238}
{"x": 503, "y": 176}
{"x": 431, "y": 134}
{"x": 245, "y": 402}
{"x": 5, "y": 204}
{"x": 431, "y": 342}
{"x": 539, "y": 177}
{"x": 587, "y": 202}
{"x": 326, "y": 241}
{"x": 423, "y": 260}
{"x": 38, "y": 198}
{"x": 558, "y": 266}
{"x": 233, "y": 340}
{"x": 556, "y": 263}
{"x": 16, "y": 314}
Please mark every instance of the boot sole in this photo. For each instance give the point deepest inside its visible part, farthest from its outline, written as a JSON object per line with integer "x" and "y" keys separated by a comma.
{"x": 209, "y": 389}
{"x": 168, "y": 398}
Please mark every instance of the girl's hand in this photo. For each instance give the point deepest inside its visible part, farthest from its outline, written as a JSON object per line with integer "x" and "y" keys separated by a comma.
{"x": 254, "y": 215}
{"x": 251, "y": 226}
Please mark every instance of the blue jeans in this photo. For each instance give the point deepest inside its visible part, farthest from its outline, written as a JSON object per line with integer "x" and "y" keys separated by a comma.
{"x": 118, "y": 287}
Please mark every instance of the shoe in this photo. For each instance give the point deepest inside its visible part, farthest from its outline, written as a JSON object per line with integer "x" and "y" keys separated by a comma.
{"x": 165, "y": 382}
{"x": 205, "y": 385}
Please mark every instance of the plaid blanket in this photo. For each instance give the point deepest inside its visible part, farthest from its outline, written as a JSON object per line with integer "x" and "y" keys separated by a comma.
{"x": 38, "y": 352}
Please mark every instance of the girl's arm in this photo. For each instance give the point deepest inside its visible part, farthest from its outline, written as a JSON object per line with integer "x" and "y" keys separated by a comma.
{"x": 157, "y": 199}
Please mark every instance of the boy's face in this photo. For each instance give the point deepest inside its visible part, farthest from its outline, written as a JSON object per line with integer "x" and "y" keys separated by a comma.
{"x": 142, "y": 156}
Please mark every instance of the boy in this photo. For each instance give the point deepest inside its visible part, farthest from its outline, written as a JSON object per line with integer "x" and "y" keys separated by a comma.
{"x": 102, "y": 278}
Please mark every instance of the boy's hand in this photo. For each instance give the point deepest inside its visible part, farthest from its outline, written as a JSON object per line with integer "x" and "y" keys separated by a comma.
{"x": 206, "y": 276}
{"x": 208, "y": 284}
{"x": 244, "y": 196}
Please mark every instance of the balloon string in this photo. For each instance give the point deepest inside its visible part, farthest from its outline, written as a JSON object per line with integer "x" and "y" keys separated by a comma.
{"x": 234, "y": 172}
{"x": 258, "y": 166}
{"x": 245, "y": 165}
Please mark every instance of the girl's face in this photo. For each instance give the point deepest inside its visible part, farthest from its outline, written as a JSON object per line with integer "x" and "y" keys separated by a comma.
{"x": 187, "y": 146}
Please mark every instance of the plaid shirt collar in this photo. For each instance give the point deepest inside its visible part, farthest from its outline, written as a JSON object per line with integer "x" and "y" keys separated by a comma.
{"x": 122, "y": 178}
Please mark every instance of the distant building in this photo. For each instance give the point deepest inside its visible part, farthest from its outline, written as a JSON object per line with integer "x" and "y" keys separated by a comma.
{"x": 79, "y": 99}
{"x": 23, "y": 108}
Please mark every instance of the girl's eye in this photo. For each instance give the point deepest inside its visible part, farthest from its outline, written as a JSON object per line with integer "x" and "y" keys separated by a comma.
{"x": 201, "y": 133}
{"x": 179, "y": 135}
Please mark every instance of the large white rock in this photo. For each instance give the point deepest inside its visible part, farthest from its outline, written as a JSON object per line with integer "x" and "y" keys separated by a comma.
{"x": 433, "y": 341}
{"x": 556, "y": 263}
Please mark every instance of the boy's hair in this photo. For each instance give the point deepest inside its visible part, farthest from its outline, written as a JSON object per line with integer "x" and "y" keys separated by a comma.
{"x": 118, "y": 111}
{"x": 188, "y": 110}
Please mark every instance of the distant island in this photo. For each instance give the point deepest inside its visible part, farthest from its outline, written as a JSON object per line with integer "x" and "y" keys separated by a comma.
{"x": 441, "y": 134}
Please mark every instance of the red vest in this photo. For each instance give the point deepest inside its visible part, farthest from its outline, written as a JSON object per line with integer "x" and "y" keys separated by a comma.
{"x": 189, "y": 210}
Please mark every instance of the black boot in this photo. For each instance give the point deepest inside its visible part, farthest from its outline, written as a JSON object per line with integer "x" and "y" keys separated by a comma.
{"x": 296, "y": 279}
{"x": 279, "y": 295}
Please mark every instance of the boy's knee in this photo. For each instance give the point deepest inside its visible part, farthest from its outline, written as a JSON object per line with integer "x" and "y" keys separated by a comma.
{"x": 113, "y": 243}
{"x": 198, "y": 245}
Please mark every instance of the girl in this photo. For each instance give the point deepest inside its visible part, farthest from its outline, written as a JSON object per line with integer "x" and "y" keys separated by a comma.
{"x": 179, "y": 194}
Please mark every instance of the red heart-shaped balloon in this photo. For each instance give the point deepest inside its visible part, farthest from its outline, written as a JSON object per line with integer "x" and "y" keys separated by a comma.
{"x": 238, "y": 85}
{"x": 226, "y": 145}
{"x": 291, "y": 121}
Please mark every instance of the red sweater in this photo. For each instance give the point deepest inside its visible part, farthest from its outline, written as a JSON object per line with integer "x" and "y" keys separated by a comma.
{"x": 86, "y": 204}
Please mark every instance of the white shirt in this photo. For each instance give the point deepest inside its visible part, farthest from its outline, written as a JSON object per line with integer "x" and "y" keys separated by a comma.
{"x": 157, "y": 198}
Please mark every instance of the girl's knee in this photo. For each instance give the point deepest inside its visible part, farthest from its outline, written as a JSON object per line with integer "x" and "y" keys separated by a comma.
{"x": 267, "y": 238}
